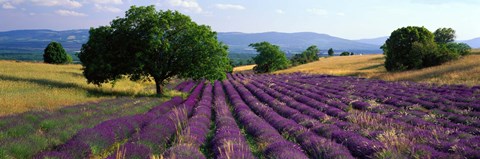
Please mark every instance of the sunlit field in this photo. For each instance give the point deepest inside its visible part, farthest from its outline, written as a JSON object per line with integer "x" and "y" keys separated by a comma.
{"x": 466, "y": 70}
{"x": 37, "y": 86}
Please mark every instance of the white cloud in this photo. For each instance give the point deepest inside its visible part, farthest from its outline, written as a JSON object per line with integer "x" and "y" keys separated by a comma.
{"x": 69, "y": 13}
{"x": 66, "y": 3}
{"x": 279, "y": 11}
{"x": 341, "y": 14}
{"x": 185, "y": 5}
{"x": 317, "y": 11}
{"x": 32, "y": 14}
{"x": 107, "y": 8}
{"x": 7, "y": 5}
{"x": 71, "y": 37}
{"x": 107, "y": 1}
{"x": 230, "y": 7}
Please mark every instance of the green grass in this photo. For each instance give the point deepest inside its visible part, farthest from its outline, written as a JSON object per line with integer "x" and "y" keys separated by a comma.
{"x": 29, "y": 133}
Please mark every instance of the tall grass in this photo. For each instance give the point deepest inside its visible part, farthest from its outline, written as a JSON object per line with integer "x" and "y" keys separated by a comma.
{"x": 37, "y": 86}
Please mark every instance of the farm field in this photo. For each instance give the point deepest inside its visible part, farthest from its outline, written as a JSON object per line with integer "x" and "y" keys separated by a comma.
{"x": 463, "y": 71}
{"x": 292, "y": 116}
{"x": 27, "y": 86}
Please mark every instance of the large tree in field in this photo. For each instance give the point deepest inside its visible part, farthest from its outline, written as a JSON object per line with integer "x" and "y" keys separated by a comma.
{"x": 149, "y": 44}
{"x": 270, "y": 58}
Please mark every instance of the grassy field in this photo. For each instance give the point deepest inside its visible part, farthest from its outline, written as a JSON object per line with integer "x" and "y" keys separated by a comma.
{"x": 25, "y": 134}
{"x": 29, "y": 86}
{"x": 243, "y": 68}
{"x": 463, "y": 71}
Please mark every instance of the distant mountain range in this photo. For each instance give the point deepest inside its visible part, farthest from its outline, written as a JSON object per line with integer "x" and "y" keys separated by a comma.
{"x": 375, "y": 41}
{"x": 34, "y": 41}
{"x": 294, "y": 42}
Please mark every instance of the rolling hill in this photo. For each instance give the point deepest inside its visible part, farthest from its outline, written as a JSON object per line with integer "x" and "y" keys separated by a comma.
{"x": 34, "y": 41}
{"x": 294, "y": 42}
{"x": 474, "y": 43}
{"x": 374, "y": 41}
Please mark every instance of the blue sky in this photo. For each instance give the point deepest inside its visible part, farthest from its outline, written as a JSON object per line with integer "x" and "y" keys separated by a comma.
{"x": 350, "y": 19}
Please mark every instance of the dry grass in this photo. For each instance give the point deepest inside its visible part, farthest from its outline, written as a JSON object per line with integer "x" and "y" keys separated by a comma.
{"x": 465, "y": 71}
{"x": 342, "y": 65}
{"x": 243, "y": 68}
{"x": 36, "y": 86}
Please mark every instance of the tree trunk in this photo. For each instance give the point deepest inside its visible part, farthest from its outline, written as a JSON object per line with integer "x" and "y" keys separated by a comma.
{"x": 159, "y": 86}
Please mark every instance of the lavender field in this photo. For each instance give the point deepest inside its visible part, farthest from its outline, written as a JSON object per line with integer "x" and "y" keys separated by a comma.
{"x": 292, "y": 116}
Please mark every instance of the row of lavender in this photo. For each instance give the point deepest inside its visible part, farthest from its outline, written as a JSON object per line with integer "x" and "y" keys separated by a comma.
{"x": 99, "y": 139}
{"x": 294, "y": 116}
{"x": 336, "y": 96}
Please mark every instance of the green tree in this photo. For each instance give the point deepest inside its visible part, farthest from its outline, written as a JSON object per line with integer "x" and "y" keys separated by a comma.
{"x": 330, "y": 52}
{"x": 309, "y": 55}
{"x": 444, "y": 35}
{"x": 55, "y": 54}
{"x": 270, "y": 58}
{"x": 345, "y": 53}
{"x": 312, "y": 53}
{"x": 147, "y": 44}
{"x": 400, "y": 51}
{"x": 459, "y": 48}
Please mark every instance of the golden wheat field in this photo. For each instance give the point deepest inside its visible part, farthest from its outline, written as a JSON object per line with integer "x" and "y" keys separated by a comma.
{"x": 465, "y": 70}
{"x": 29, "y": 86}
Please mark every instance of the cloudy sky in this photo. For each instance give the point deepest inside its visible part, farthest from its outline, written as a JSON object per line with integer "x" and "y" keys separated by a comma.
{"x": 351, "y": 19}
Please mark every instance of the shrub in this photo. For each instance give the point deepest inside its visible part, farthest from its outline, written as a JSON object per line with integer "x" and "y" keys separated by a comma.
{"x": 345, "y": 53}
{"x": 55, "y": 54}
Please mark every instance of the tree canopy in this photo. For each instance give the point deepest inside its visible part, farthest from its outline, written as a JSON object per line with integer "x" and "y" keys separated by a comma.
{"x": 148, "y": 44}
{"x": 330, "y": 52}
{"x": 270, "y": 58}
{"x": 416, "y": 47}
{"x": 55, "y": 54}
{"x": 444, "y": 35}
{"x": 309, "y": 55}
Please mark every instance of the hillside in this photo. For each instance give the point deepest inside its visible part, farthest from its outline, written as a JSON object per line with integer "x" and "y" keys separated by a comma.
{"x": 474, "y": 43}
{"x": 463, "y": 71}
{"x": 374, "y": 41}
{"x": 293, "y": 42}
{"x": 34, "y": 41}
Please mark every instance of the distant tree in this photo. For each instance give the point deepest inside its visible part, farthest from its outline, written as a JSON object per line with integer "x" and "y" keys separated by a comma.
{"x": 312, "y": 53}
{"x": 55, "y": 54}
{"x": 444, "y": 35}
{"x": 330, "y": 52}
{"x": 147, "y": 44}
{"x": 345, "y": 54}
{"x": 309, "y": 55}
{"x": 269, "y": 59}
{"x": 352, "y": 53}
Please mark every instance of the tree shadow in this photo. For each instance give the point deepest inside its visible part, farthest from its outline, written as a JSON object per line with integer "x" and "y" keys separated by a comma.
{"x": 91, "y": 92}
